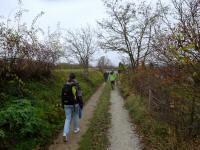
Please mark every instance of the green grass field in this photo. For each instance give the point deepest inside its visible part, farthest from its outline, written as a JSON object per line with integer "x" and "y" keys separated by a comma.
{"x": 35, "y": 117}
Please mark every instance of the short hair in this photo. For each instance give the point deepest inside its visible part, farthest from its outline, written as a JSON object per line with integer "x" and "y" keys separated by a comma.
{"x": 72, "y": 76}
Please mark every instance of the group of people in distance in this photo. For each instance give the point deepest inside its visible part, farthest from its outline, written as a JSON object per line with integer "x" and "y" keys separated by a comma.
{"x": 72, "y": 101}
{"x": 111, "y": 77}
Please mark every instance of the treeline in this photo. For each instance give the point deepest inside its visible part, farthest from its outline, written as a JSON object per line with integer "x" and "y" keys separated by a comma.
{"x": 162, "y": 45}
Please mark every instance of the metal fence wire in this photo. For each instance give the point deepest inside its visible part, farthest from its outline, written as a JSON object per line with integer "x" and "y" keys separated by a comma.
{"x": 183, "y": 114}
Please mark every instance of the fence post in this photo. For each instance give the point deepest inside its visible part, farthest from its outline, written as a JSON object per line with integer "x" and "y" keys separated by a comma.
{"x": 150, "y": 95}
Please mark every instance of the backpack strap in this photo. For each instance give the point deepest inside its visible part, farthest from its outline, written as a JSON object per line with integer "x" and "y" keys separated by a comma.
{"x": 74, "y": 91}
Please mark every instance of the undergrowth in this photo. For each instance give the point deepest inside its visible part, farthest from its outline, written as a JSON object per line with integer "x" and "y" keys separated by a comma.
{"x": 31, "y": 112}
{"x": 155, "y": 134}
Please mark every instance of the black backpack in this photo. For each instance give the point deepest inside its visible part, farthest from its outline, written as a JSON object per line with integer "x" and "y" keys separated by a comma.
{"x": 69, "y": 94}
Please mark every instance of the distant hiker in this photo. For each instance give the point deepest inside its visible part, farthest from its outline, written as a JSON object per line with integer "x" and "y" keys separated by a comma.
{"x": 112, "y": 78}
{"x": 72, "y": 103}
{"x": 105, "y": 75}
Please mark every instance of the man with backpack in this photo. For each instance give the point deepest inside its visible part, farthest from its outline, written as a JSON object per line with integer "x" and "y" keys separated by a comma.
{"x": 72, "y": 104}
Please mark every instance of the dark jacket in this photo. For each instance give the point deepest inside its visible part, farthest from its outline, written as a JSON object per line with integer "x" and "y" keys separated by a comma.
{"x": 78, "y": 95}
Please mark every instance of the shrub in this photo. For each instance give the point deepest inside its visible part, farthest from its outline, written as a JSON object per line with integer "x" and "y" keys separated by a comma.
{"x": 21, "y": 117}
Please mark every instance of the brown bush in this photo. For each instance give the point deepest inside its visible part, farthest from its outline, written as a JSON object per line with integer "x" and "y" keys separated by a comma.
{"x": 173, "y": 98}
{"x": 22, "y": 54}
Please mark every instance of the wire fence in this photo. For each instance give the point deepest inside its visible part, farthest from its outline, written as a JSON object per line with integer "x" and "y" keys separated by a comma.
{"x": 182, "y": 114}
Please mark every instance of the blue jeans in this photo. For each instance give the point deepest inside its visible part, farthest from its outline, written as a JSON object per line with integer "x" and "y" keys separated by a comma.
{"x": 69, "y": 109}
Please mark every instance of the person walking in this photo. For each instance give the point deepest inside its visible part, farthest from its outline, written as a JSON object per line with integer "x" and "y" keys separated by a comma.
{"x": 112, "y": 78}
{"x": 105, "y": 75}
{"x": 72, "y": 103}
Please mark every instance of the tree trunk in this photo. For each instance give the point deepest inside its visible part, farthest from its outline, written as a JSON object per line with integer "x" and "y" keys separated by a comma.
{"x": 132, "y": 61}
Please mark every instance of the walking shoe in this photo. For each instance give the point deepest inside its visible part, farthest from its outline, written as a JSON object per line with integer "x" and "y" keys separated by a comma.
{"x": 65, "y": 138}
{"x": 77, "y": 130}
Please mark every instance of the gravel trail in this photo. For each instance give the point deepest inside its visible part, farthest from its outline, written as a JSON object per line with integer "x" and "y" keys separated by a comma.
{"x": 122, "y": 133}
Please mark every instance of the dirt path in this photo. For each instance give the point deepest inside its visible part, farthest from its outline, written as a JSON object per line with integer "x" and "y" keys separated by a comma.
{"x": 122, "y": 135}
{"x": 72, "y": 144}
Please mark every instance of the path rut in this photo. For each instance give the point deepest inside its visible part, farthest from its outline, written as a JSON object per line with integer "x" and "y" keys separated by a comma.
{"x": 122, "y": 133}
{"x": 74, "y": 139}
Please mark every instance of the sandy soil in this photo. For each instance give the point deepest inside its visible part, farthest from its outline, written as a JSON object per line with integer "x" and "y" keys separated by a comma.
{"x": 122, "y": 133}
{"x": 72, "y": 144}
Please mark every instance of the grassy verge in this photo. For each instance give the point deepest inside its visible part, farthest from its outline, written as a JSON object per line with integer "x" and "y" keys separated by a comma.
{"x": 154, "y": 133}
{"x": 96, "y": 136}
{"x": 33, "y": 118}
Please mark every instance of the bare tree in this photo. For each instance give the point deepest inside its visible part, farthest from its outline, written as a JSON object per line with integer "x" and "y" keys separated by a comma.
{"x": 128, "y": 30}
{"x": 55, "y": 44}
{"x": 181, "y": 36}
{"x": 103, "y": 63}
{"x": 81, "y": 46}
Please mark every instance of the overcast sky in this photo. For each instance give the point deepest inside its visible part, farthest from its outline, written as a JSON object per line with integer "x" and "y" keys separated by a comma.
{"x": 72, "y": 14}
